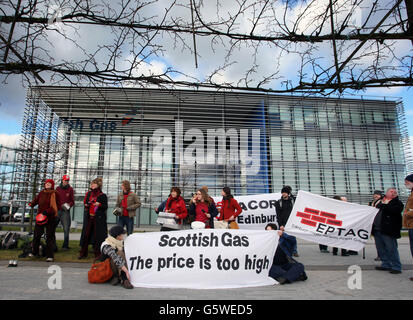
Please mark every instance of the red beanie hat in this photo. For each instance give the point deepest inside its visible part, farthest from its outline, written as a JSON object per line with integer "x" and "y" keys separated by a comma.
{"x": 51, "y": 182}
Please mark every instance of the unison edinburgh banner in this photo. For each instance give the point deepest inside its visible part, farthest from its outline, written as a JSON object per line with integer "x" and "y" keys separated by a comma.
{"x": 330, "y": 222}
{"x": 201, "y": 259}
{"x": 257, "y": 210}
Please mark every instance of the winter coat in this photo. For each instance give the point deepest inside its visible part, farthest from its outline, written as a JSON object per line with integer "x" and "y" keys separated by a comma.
{"x": 100, "y": 220}
{"x": 226, "y": 211}
{"x": 66, "y": 195}
{"x": 177, "y": 206}
{"x": 43, "y": 202}
{"x": 133, "y": 203}
{"x": 161, "y": 207}
{"x": 391, "y": 218}
{"x": 283, "y": 209}
{"x": 408, "y": 213}
{"x": 196, "y": 210}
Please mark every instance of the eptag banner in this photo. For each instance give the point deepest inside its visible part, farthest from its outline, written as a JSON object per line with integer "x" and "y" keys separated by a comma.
{"x": 257, "y": 210}
{"x": 201, "y": 259}
{"x": 330, "y": 222}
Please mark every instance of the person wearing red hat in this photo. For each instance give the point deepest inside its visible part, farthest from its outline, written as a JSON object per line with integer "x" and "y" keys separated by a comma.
{"x": 67, "y": 201}
{"x": 47, "y": 201}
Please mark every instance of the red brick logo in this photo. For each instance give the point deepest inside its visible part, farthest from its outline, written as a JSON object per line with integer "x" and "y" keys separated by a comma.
{"x": 311, "y": 217}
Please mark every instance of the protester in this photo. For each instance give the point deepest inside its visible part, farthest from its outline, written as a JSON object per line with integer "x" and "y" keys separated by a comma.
{"x": 408, "y": 212}
{"x": 344, "y": 252}
{"x": 283, "y": 208}
{"x": 175, "y": 204}
{"x": 47, "y": 201}
{"x": 67, "y": 201}
{"x": 203, "y": 208}
{"x": 95, "y": 229}
{"x": 284, "y": 268}
{"x": 386, "y": 228}
{"x": 230, "y": 209}
{"x": 377, "y": 196}
{"x": 112, "y": 248}
{"x": 128, "y": 202}
{"x": 349, "y": 252}
{"x": 194, "y": 196}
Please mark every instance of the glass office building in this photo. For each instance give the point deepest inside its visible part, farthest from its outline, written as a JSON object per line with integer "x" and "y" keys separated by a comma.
{"x": 253, "y": 143}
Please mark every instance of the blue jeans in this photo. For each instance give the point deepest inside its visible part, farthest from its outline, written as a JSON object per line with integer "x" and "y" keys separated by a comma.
{"x": 388, "y": 251}
{"x": 64, "y": 218}
{"x": 128, "y": 222}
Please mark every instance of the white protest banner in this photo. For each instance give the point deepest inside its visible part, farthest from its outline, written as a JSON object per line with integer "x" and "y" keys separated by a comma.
{"x": 257, "y": 210}
{"x": 330, "y": 222}
{"x": 201, "y": 259}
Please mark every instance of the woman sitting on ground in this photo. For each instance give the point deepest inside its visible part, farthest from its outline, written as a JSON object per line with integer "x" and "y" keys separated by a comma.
{"x": 112, "y": 248}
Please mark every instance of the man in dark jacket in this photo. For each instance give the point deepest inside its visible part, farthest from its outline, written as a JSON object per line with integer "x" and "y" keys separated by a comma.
{"x": 284, "y": 268}
{"x": 283, "y": 208}
{"x": 67, "y": 201}
{"x": 386, "y": 230}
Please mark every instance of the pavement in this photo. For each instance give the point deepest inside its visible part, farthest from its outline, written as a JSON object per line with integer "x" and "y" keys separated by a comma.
{"x": 329, "y": 278}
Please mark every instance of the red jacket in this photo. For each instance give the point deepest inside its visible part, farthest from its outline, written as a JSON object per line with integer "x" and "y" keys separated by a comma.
{"x": 43, "y": 202}
{"x": 66, "y": 196}
{"x": 233, "y": 210}
{"x": 177, "y": 206}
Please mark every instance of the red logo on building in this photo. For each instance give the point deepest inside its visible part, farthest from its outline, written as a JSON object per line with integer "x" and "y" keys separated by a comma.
{"x": 310, "y": 217}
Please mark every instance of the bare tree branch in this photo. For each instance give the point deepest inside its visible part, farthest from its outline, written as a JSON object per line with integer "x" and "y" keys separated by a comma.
{"x": 245, "y": 45}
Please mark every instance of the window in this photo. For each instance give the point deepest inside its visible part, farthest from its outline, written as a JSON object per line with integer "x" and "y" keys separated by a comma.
{"x": 360, "y": 149}
{"x": 336, "y": 150}
{"x": 325, "y": 150}
{"x": 373, "y": 152}
{"x": 315, "y": 182}
{"x": 303, "y": 179}
{"x": 383, "y": 151}
{"x": 276, "y": 148}
{"x": 312, "y": 148}
{"x": 349, "y": 149}
{"x": 322, "y": 120}
{"x": 298, "y": 118}
{"x": 301, "y": 149}
{"x": 287, "y": 149}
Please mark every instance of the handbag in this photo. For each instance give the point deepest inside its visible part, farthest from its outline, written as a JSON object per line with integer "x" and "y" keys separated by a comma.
{"x": 220, "y": 224}
{"x": 100, "y": 272}
{"x": 41, "y": 219}
{"x": 233, "y": 225}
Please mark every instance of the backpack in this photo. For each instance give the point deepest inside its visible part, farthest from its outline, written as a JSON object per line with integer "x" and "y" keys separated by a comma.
{"x": 27, "y": 247}
{"x": 10, "y": 240}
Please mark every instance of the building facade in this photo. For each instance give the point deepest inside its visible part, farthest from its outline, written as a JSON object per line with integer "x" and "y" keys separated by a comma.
{"x": 253, "y": 143}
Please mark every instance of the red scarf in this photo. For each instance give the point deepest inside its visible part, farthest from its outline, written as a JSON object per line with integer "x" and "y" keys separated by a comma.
{"x": 125, "y": 204}
{"x": 94, "y": 194}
